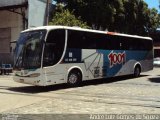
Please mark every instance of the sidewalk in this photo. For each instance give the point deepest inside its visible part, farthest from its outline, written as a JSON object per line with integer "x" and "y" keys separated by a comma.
{"x": 6, "y": 76}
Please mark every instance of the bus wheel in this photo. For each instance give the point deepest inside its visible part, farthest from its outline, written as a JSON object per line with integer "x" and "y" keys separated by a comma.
{"x": 137, "y": 71}
{"x": 74, "y": 78}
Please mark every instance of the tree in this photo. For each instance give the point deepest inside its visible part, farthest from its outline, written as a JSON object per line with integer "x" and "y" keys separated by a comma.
{"x": 125, "y": 16}
{"x": 98, "y": 14}
{"x": 154, "y": 19}
{"x": 66, "y": 18}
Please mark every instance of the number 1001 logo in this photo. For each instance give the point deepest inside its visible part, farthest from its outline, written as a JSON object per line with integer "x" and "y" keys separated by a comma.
{"x": 117, "y": 58}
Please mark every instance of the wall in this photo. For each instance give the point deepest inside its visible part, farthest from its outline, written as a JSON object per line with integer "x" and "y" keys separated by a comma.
{"x": 37, "y": 10}
{"x": 11, "y": 2}
{"x": 10, "y": 25}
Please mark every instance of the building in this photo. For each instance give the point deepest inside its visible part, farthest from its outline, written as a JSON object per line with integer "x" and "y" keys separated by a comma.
{"x": 17, "y": 15}
{"x": 156, "y": 41}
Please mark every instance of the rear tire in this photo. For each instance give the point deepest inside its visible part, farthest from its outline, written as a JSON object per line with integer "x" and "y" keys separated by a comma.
{"x": 137, "y": 71}
{"x": 74, "y": 78}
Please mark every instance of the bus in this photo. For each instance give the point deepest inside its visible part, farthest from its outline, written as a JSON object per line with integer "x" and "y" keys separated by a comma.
{"x": 51, "y": 55}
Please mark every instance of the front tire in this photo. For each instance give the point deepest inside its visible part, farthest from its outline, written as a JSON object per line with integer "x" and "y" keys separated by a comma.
{"x": 137, "y": 72}
{"x": 74, "y": 78}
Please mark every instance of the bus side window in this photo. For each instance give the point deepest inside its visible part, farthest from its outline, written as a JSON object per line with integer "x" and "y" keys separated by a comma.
{"x": 54, "y": 47}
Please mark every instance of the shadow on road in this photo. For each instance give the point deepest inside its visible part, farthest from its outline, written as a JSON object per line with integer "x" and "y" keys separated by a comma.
{"x": 40, "y": 89}
{"x": 155, "y": 80}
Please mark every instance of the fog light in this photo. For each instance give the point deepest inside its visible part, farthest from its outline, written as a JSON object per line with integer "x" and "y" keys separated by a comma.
{"x": 34, "y": 75}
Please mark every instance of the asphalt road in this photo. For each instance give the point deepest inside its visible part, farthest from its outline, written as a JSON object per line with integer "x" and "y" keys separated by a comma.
{"x": 121, "y": 95}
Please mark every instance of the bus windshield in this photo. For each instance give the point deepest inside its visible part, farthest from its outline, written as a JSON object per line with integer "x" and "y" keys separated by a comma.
{"x": 28, "y": 50}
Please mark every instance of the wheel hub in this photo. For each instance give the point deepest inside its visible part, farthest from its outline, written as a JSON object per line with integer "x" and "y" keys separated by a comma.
{"x": 73, "y": 78}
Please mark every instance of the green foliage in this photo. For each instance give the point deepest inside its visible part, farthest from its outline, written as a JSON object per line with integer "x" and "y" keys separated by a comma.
{"x": 67, "y": 18}
{"x": 125, "y": 16}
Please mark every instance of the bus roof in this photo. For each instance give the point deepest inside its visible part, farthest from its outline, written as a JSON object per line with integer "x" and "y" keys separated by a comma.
{"x": 82, "y": 29}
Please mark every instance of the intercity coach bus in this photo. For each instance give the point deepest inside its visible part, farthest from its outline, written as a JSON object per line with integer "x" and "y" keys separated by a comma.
{"x": 59, "y": 54}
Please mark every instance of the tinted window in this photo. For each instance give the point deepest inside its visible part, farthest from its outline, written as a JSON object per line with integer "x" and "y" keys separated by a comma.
{"x": 54, "y": 47}
{"x": 91, "y": 40}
